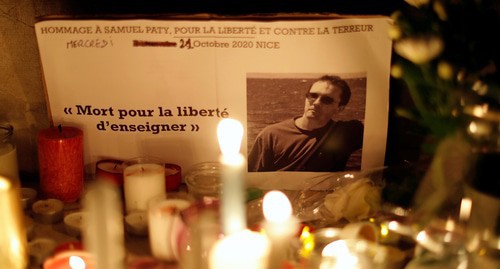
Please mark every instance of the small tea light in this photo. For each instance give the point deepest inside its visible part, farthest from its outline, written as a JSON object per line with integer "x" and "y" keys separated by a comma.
{"x": 40, "y": 249}
{"x": 136, "y": 223}
{"x": 28, "y": 196}
{"x": 74, "y": 222}
{"x": 48, "y": 211}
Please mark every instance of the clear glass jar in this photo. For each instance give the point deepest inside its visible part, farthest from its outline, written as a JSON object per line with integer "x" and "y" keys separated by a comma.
{"x": 482, "y": 128}
{"x": 8, "y": 154}
{"x": 204, "y": 180}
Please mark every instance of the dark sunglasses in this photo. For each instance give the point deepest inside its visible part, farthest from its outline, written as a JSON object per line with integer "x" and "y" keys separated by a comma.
{"x": 326, "y": 100}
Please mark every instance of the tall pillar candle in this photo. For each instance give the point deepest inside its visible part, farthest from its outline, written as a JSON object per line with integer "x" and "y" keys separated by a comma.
{"x": 280, "y": 226}
{"x": 13, "y": 238}
{"x": 103, "y": 235}
{"x": 144, "y": 178}
{"x": 8, "y": 153}
{"x": 233, "y": 210}
{"x": 60, "y": 156}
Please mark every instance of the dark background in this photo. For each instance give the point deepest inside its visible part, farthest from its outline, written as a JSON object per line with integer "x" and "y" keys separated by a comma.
{"x": 22, "y": 93}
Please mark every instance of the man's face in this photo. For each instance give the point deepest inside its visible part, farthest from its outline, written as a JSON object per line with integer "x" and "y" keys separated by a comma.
{"x": 322, "y": 102}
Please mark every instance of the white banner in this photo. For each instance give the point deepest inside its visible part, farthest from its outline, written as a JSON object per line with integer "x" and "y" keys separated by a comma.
{"x": 145, "y": 87}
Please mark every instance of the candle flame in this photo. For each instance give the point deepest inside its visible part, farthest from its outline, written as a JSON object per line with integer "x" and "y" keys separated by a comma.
{"x": 229, "y": 134}
{"x": 465, "y": 209}
{"x": 307, "y": 240}
{"x": 76, "y": 262}
{"x": 276, "y": 206}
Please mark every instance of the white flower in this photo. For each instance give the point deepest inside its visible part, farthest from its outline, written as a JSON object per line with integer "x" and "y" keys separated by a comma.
{"x": 355, "y": 201}
{"x": 419, "y": 50}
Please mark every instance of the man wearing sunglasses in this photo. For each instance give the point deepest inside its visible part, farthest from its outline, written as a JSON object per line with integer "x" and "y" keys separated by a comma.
{"x": 314, "y": 141}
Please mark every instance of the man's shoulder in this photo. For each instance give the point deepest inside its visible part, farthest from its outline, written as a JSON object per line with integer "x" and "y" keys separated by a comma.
{"x": 347, "y": 123}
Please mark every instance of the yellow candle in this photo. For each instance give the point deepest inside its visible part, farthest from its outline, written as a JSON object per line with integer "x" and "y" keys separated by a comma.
{"x": 13, "y": 239}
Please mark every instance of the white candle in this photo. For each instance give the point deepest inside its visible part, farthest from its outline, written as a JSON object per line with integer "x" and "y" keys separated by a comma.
{"x": 280, "y": 226}
{"x": 241, "y": 250}
{"x": 233, "y": 213}
{"x": 103, "y": 235}
{"x": 8, "y": 162}
{"x": 165, "y": 226}
{"x": 144, "y": 178}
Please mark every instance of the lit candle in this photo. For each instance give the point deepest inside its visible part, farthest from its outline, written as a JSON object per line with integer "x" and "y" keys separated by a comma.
{"x": 144, "y": 178}
{"x": 111, "y": 170}
{"x": 103, "y": 235}
{"x": 60, "y": 157}
{"x": 241, "y": 250}
{"x": 13, "y": 239}
{"x": 75, "y": 259}
{"x": 165, "y": 226}
{"x": 280, "y": 226}
{"x": 229, "y": 134}
{"x": 337, "y": 255}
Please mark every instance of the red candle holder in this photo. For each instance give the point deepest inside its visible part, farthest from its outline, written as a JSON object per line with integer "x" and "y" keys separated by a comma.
{"x": 173, "y": 176}
{"x": 67, "y": 259}
{"x": 110, "y": 170}
{"x": 60, "y": 156}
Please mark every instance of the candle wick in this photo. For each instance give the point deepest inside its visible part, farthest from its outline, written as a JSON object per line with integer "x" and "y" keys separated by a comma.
{"x": 59, "y": 127}
{"x": 116, "y": 164}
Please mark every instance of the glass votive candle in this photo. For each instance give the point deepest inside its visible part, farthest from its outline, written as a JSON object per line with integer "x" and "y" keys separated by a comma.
{"x": 173, "y": 176}
{"x": 110, "y": 170}
{"x": 204, "y": 180}
{"x": 8, "y": 153}
{"x": 143, "y": 179}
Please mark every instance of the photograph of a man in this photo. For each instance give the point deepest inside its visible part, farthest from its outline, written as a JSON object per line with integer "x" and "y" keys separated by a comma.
{"x": 314, "y": 141}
